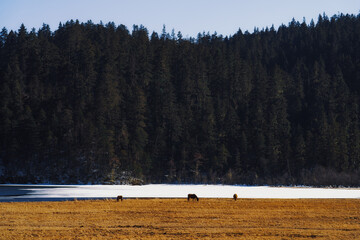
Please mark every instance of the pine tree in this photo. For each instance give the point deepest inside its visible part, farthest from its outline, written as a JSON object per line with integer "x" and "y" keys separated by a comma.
{"x": 97, "y": 103}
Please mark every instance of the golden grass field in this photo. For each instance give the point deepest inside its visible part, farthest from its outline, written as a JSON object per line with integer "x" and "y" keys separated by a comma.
{"x": 179, "y": 219}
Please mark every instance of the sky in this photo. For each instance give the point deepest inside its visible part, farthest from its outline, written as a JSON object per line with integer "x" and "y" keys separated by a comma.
{"x": 189, "y": 17}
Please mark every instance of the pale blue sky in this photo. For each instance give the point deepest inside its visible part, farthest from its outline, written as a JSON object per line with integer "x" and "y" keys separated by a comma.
{"x": 188, "y": 16}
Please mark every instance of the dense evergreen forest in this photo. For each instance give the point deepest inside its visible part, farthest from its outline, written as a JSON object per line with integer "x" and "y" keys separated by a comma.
{"x": 97, "y": 103}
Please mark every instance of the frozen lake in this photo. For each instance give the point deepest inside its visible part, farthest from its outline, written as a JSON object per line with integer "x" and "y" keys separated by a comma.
{"x": 14, "y": 192}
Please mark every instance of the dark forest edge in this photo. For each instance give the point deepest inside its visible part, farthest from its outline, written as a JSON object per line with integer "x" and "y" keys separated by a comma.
{"x": 94, "y": 103}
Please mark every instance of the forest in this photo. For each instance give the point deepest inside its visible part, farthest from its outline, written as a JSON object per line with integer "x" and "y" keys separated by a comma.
{"x": 97, "y": 103}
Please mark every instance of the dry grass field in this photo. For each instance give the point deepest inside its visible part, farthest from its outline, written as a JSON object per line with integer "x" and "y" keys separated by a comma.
{"x": 179, "y": 219}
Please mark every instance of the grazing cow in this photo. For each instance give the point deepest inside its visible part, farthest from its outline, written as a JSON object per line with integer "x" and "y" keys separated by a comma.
{"x": 193, "y": 196}
{"x": 235, "y": 196}
{"x": 119, "y": 198}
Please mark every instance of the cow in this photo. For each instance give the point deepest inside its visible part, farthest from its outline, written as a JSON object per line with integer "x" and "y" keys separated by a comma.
{"x": 192, "y": 196}
{"x": 235, "y": 196}
{"x": 119, "y": 198}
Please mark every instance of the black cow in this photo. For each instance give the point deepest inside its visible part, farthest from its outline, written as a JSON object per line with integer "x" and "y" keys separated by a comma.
{"x": 192, "y": 196}
{"x": 235, "y": 196}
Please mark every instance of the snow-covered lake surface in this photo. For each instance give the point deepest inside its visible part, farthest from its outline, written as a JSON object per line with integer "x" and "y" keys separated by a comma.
{"x": 13, "y": 192}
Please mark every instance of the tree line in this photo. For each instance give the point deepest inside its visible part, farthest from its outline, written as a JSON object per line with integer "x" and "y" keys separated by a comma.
{"x": 99, "y": 103}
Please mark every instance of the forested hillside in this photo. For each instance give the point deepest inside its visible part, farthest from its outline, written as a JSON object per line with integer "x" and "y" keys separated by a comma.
{"x": 99, "y": 103}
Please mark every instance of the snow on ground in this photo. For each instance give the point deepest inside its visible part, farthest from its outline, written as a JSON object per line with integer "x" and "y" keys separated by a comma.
{"x": 181, "y": 191}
